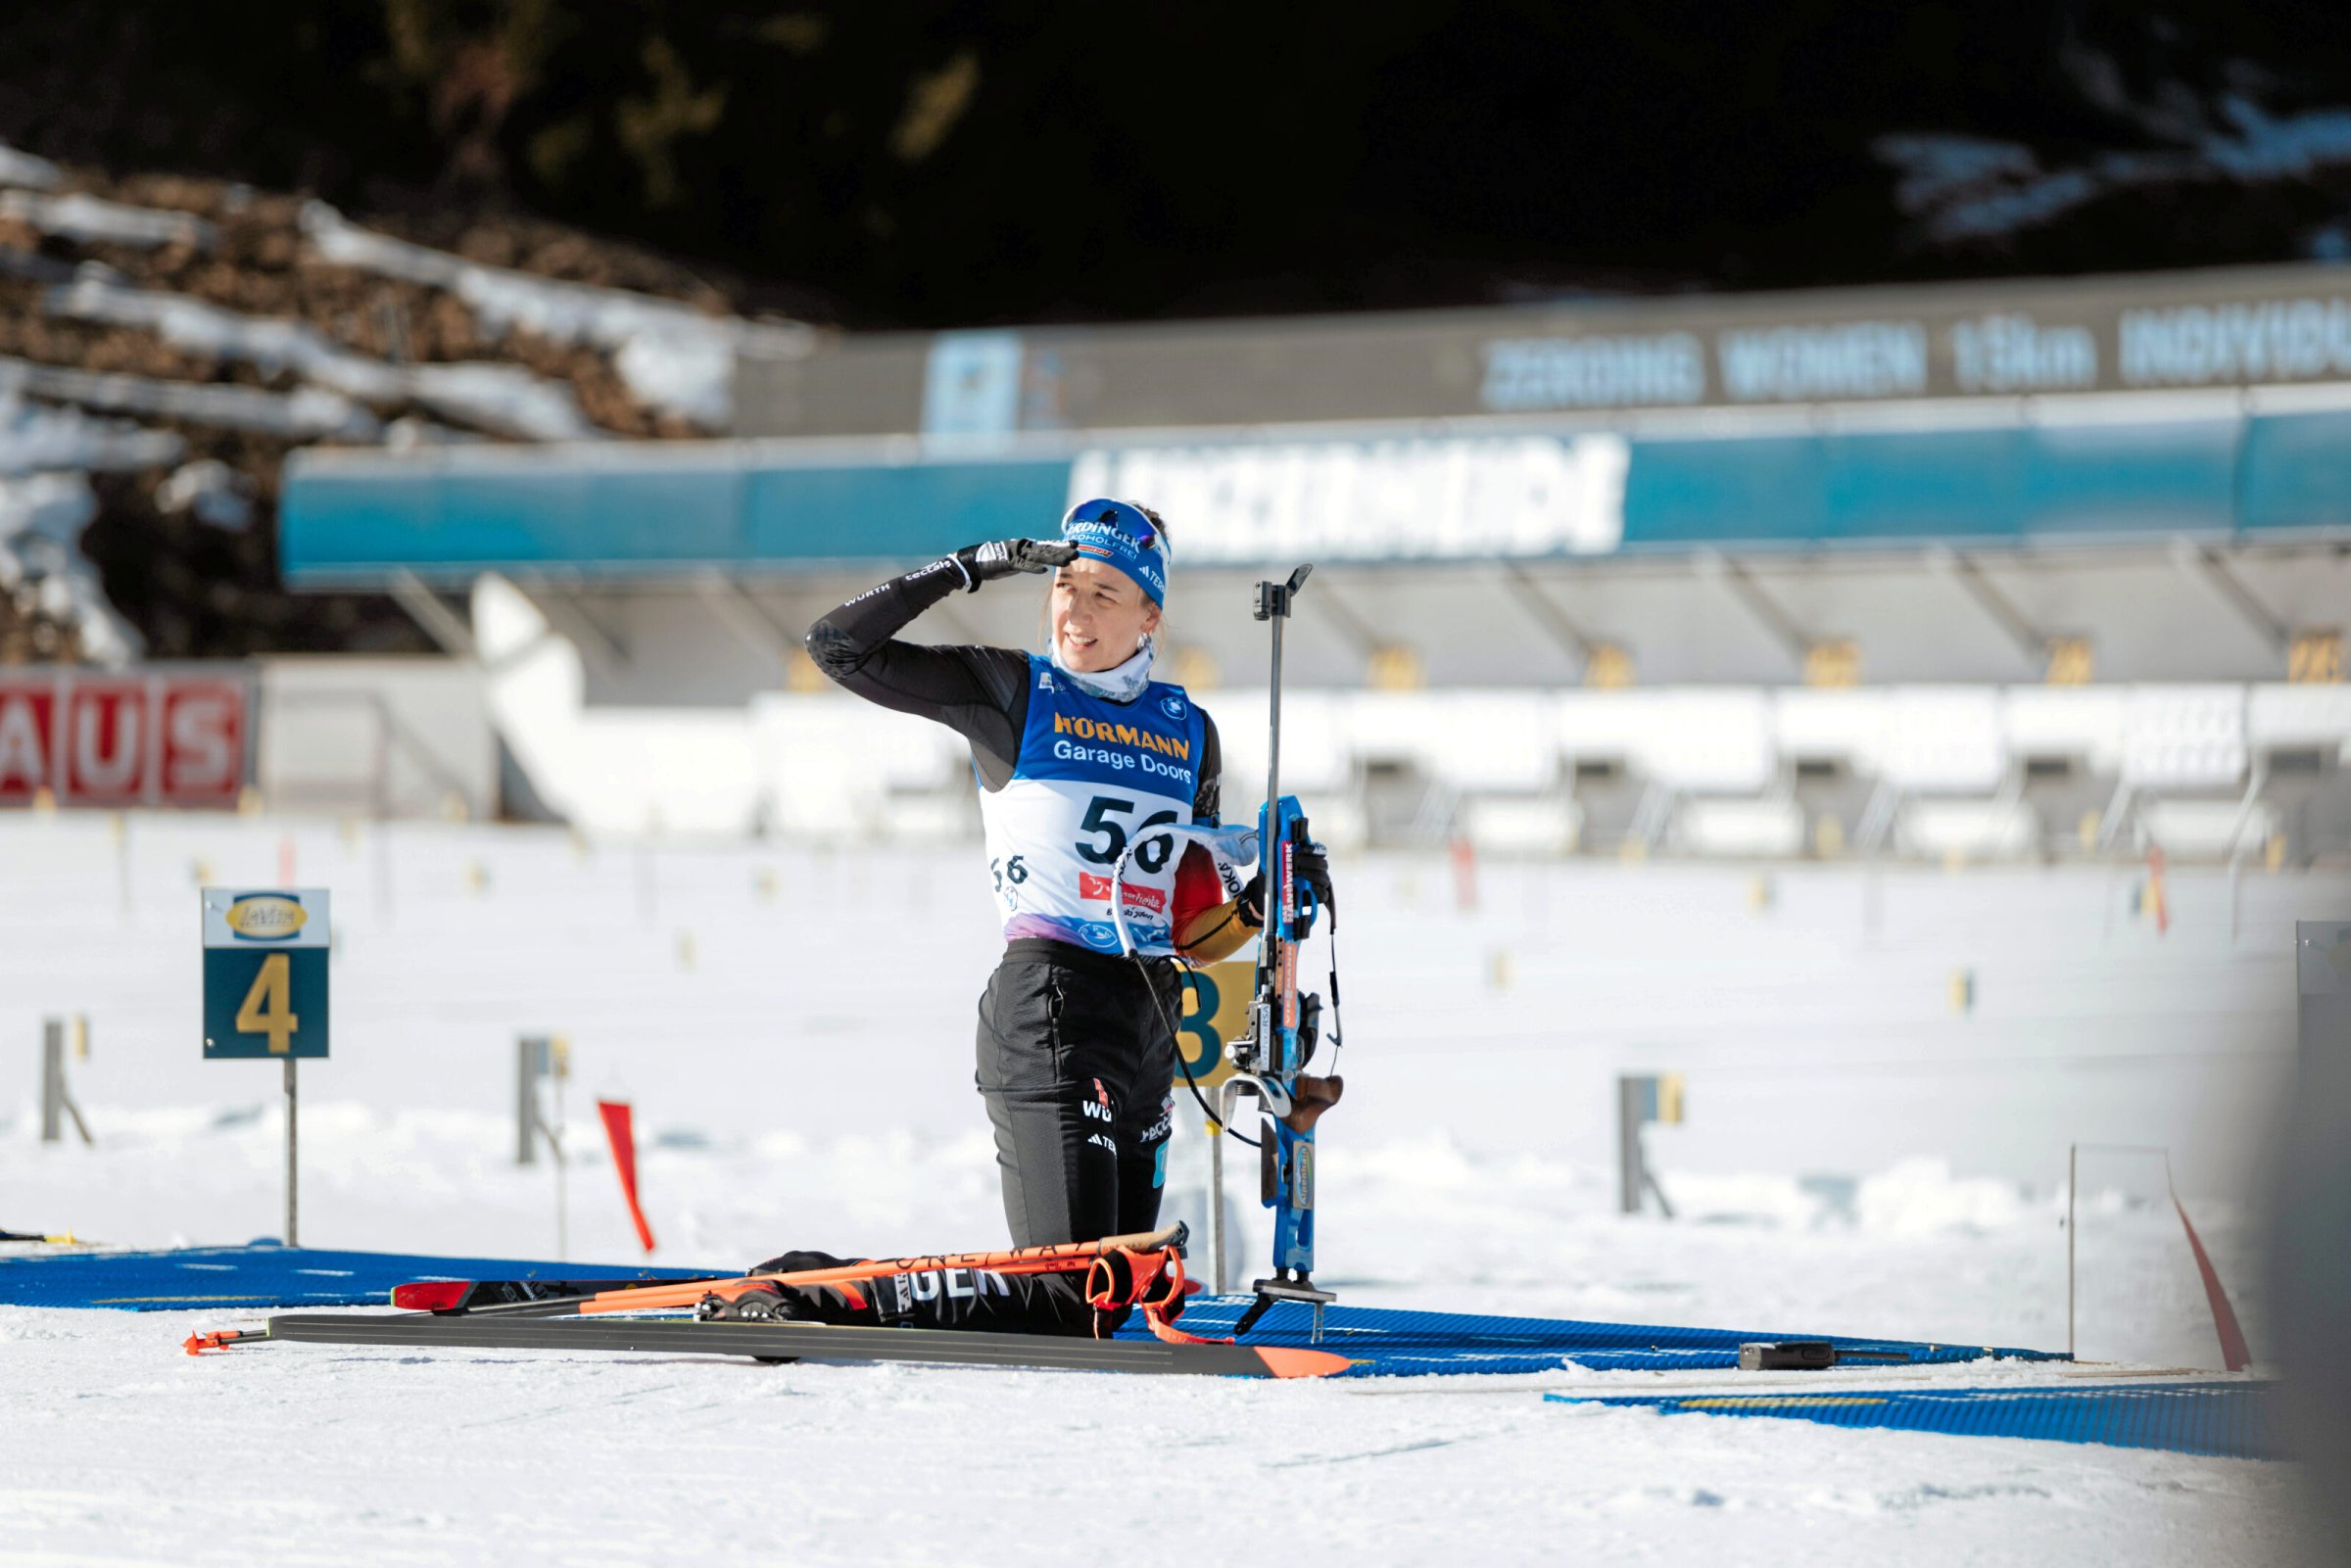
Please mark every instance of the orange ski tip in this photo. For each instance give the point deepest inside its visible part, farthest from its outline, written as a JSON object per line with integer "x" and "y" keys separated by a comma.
{"x": 1289, "y": 1361}
{"x": 198, "y": 1344}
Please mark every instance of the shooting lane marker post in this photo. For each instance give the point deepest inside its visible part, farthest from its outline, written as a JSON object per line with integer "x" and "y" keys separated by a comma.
{"x": 264, "y": 988}
{"x": 57, "y": 1103}
{"x": 537, "y": 1057}
{"x": 1640, "y": 1099}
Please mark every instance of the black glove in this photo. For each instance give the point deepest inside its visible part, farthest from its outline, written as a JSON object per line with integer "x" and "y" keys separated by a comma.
{"x": 1310, "y": 865}
{"x": 770, "y": 1301}
{"x": 1002, "y": 557}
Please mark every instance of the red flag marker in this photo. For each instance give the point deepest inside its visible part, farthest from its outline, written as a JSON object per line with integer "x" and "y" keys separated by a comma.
{"x": 623, "y": 1137}
{"x": 2235, "y": 1353}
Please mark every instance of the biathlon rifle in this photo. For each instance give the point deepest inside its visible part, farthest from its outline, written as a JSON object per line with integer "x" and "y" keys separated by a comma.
{"x": 1271, "y": 1056}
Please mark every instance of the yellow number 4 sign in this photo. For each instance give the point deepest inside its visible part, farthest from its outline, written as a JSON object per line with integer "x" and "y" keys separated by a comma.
{"x": 265, "y": 955}
{"x": 268, "y": 1007}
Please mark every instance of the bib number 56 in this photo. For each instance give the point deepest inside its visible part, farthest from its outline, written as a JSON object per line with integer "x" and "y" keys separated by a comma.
{"x": 1101, "y": 814}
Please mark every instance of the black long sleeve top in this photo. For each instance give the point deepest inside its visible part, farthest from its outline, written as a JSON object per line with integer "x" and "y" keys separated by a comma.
{"x": 979, "y": 692}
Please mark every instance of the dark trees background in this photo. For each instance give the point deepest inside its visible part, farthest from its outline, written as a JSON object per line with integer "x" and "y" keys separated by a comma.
{"x": 930, "y": 163}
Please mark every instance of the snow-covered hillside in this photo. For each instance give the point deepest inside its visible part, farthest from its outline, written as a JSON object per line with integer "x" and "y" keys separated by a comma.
{"x": 180, "y": 336}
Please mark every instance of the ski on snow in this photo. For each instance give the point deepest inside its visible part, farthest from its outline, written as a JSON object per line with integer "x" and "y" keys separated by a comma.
{"x": 782, "y": 1341}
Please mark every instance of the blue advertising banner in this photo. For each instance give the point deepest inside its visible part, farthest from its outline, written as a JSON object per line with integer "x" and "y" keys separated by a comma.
{"x": 644, "y": 511}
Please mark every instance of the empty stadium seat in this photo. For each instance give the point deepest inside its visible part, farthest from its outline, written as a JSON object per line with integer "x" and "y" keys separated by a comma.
{"x": 1706, "y": 741}
{"x": 1943, "y": 741}
{"x": 2083, "y": 724}
{"x": 1392, "y": 725}
{"x": 1945, "y": 758}
{"x": 1971, "y": 830}
{"x": 1503, "y": 742}
{"x": 2184, "y": 738}
{"x": 1318, "y": 756}
{"x": 1708, "y": 756}
{"x": 1846, "y": 727}
{"x": 1498, "y": 754}
{"x": 1522, "y": 825}
{"x": 1767, "y": 829}
{"x": 2319, "y": 716}
{"x": 2205, "y": 829}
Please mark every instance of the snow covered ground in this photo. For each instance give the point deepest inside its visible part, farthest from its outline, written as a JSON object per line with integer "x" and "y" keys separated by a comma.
{"x": 792, "y": 1028}
{"x": 113, "y": 1445}
{"x": 115, "y": 1448}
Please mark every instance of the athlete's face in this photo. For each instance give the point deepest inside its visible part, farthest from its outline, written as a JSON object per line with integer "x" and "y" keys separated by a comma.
{"x": 1099, "y": 616}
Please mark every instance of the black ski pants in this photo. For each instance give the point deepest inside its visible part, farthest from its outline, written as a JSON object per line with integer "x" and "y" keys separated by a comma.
{"x": 1078, "y": 1064}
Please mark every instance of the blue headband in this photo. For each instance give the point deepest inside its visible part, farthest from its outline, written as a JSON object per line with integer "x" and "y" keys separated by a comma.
{"x": 1119, "y": 533}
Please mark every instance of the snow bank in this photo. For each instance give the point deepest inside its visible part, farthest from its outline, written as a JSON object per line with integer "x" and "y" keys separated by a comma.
{"x": 54, "y": 507}
{"x": 502, "y": 398}
{"x": 211, "y": 491}
{"x": 25, "y": 172}
{"x": 34, "y": 439}
{"x": 506, "y": 398}
{"x": 307, "y": 415}
{"x": 90, "y": 219}
{"x": 673, "y": 356}
{"x": 1922, "y": 1198}
{"x": 46, "y": 502}
{"x": 42, "y": 519}
{"x": 269, "y": 342}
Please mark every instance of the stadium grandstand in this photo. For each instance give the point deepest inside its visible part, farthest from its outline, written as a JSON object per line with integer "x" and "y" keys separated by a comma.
{"x": 1982, "y": 571}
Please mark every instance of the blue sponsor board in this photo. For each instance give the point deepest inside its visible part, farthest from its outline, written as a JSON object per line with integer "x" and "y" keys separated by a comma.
{"x": 266, "y": 953}
{"x": 646, "y": 512}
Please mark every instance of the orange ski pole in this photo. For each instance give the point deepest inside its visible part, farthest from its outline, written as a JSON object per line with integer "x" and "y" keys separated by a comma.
{"x": 1063, "y": 1257}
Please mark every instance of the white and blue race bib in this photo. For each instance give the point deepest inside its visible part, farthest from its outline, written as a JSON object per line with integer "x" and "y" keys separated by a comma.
{"x": 1094, "y": 776}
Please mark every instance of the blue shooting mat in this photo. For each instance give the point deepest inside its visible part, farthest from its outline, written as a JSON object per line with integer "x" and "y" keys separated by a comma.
{"x": 1382, "y": 1343}
{"x": 264, "y": 1274}
{"x": 2236, "y": 1421}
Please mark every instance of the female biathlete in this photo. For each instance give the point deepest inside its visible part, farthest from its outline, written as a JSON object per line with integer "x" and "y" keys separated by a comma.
{"x": 1079, "y": 754}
